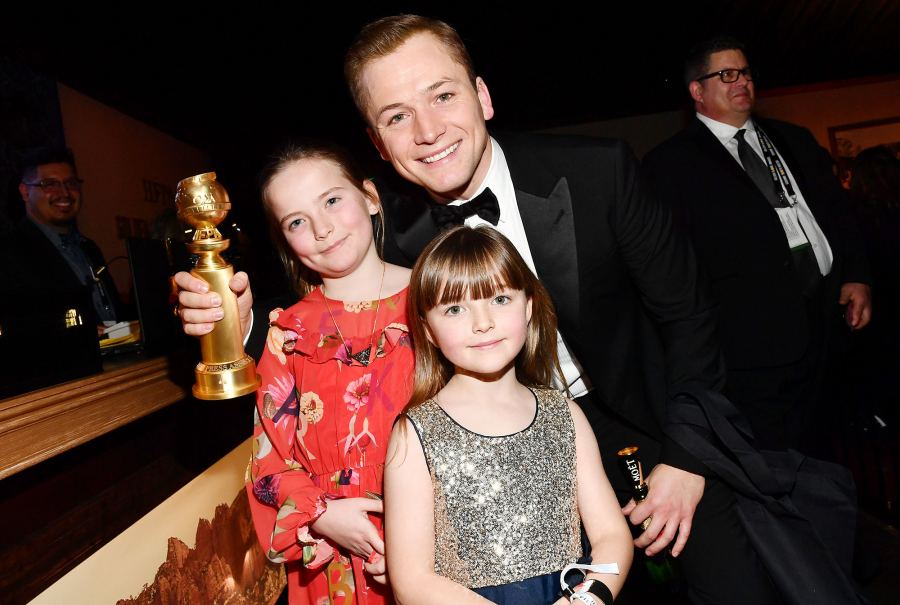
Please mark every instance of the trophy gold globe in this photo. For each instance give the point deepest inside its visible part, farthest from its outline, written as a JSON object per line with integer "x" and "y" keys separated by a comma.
{"x": 225, "y": 370}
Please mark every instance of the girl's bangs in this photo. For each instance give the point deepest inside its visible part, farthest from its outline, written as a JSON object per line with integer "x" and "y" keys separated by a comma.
{"x": 475, "y": 276}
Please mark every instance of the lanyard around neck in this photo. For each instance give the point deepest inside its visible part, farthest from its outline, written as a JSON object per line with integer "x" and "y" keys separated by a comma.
{"x": 783, "y": 187}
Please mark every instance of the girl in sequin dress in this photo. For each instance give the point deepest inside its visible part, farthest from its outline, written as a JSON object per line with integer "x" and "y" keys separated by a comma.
{"x": 335, "y": 372}
{"x": 491, "y": 473}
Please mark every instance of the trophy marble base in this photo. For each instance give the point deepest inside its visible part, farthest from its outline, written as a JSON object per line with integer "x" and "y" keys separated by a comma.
{"x": 225, "y": 380}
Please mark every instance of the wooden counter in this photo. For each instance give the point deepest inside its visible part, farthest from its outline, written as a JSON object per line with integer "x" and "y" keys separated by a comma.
{"x": 83, "y": 460}
{"x": 44, "y": 423}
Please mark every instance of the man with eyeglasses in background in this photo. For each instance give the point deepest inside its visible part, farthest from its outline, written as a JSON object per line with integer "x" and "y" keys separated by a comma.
{"x": 46, "y": 251}
{"x": 771, "y": 227}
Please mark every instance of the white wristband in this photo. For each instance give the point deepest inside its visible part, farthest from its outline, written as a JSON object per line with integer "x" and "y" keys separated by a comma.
{"x": 612, "y": 568}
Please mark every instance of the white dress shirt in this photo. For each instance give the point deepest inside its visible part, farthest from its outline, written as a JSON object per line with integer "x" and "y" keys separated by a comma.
{"x": 510, "y": 224}
{"x": 725, "y": 133}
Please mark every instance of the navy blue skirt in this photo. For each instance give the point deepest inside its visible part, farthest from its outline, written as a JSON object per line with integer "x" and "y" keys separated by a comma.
{"x": 539, "y": 590}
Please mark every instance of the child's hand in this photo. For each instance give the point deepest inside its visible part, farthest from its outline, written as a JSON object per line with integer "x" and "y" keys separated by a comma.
{"x": 376, "y": 567}
{"x": 345, "y": 521}
{"x": 199, "y": 309}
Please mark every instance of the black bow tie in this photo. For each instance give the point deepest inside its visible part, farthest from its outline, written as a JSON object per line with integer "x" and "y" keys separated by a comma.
{"x": 484, "y": 205}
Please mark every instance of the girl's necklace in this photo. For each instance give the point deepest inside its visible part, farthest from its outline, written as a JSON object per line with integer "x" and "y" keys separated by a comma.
{"x": 363, "y": 356}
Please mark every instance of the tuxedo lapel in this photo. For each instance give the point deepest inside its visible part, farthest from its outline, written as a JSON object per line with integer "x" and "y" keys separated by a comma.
{"x": 409, "y": 223}
{"x": 419, "y": 233}
{"x": 711, "y": 146}
{"x": 550, "y": 228}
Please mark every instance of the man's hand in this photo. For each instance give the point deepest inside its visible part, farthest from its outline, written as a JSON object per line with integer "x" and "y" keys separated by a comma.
{"x": 199, "y": 308}
{"x": 858, "y": 298}
{"x": 671, "y": 502}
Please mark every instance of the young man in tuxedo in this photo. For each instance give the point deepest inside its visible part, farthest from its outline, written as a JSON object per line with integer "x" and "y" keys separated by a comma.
{"x": 634, "y": 318}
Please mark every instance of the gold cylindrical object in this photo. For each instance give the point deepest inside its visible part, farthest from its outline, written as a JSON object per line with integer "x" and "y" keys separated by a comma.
{"x": 225, "y": 371}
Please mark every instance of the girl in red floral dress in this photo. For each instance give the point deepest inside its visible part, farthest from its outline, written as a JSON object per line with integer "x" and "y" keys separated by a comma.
{"x": 336, "y": 371}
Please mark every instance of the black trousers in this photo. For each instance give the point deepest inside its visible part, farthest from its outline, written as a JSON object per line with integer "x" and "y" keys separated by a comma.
{"x": 786, "y": 405}
{"x": 718, "y": 562}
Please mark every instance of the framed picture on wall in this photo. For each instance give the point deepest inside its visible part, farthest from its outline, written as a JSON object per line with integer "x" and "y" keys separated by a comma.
{"x": 848, "y": 140}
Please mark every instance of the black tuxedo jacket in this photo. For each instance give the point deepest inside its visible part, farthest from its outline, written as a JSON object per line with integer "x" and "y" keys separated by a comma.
{"x": 625, "y": 284}
{"x": 739, "y": 240}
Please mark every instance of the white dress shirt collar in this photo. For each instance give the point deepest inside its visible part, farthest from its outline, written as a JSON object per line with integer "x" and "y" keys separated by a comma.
{"x": 722, "y": 131}
{"x": 496, "y": 174}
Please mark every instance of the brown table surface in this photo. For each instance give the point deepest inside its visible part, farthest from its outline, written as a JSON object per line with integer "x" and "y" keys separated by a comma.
{"x": 41, "y": 424}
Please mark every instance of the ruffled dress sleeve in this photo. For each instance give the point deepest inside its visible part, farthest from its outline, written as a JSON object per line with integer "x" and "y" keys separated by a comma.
{"x": 283, "y": 498}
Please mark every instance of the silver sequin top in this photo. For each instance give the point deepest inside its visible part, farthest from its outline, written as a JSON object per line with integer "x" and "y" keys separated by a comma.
{"x": 505, "y": 508}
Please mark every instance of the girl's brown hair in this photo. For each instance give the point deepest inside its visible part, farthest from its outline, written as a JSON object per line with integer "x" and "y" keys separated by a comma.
{"x": 477, "y": 263}
{"x": 302, "y": 279}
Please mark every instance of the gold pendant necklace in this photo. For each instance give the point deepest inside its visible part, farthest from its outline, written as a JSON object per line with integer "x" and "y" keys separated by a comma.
{"x": 364, "y": 356}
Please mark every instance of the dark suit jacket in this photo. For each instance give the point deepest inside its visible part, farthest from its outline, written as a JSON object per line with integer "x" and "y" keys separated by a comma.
{"x": 625, "y": 284}
{"x": 739, "y": 240}
{"x": 31, "y": 261}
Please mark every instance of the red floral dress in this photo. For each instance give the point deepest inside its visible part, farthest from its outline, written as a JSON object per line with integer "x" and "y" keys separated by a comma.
{"x": 322, "y": 425}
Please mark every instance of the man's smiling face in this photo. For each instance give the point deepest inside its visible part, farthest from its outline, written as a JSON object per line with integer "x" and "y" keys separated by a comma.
{"x": 57, "y": 208}
{"x": 427, "y": 119}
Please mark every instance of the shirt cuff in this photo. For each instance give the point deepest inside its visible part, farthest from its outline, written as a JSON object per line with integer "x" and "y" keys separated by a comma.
{"x": 249, "y": 329}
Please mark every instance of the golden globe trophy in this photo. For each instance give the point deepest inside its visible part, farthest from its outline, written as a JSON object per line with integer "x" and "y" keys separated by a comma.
{"x": 225, "y": 371}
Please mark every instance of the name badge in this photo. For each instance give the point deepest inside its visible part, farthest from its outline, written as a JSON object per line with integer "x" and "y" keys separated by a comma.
{"x": 792, "y": 230}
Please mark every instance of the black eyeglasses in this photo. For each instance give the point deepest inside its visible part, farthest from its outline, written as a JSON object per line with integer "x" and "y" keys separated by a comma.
{"x": 729, "y": 75}
{"x": 56, "y": 186}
